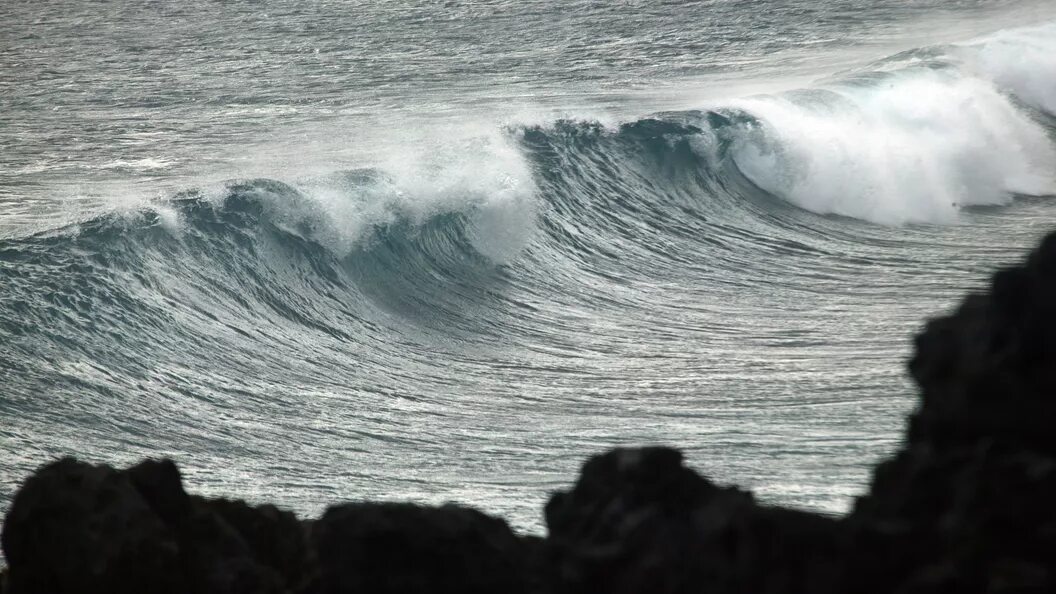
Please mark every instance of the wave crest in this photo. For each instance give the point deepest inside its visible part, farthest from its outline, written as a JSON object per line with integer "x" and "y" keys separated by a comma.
{"x": 911, "y": 141}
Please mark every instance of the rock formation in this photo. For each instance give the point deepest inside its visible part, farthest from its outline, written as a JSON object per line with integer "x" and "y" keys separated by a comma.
{"x": 966, "y": 506}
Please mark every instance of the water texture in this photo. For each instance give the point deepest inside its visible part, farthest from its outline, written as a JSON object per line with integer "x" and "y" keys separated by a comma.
{"x": 433, "y": 251}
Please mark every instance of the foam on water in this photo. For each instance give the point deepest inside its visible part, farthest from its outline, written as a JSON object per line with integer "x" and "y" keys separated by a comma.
{"x": 147, "y": 163}
{"x": 914, "y": 142}
{"x": 484, "y": 178}
{"x": 1020, "y": 61}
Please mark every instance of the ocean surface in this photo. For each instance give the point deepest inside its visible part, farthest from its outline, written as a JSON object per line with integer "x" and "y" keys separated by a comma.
{"x": 443, "y": 251}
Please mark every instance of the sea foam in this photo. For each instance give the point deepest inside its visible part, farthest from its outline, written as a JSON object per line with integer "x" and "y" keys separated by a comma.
{"x": 483, "y": 178}
{"x": 915, "y": 138}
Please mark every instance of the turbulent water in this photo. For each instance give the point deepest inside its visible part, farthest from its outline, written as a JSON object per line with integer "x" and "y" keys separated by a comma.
{"x": 318, "y": 251}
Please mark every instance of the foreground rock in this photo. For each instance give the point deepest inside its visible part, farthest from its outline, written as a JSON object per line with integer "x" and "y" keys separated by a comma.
{"x": 396, "y": 547}
{"x": 967, "y": 506}
{"x": 639, "y": 521}
{"x": 74, "y": 527}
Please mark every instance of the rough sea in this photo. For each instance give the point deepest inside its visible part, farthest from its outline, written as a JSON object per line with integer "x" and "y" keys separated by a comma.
{"x": 321, "y": 250}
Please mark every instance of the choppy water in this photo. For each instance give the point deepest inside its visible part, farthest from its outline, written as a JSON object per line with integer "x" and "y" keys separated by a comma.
{"x": 445, "y": 250}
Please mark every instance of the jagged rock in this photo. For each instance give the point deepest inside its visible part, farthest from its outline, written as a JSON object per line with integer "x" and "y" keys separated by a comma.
{"x": 965, "y": 520}
{"x": 989, "y": 370}
{"x": 74, "y": 527}
{"x": 276, "y": 538}
{"x": 398, "y": 548}
{"x": 639, "y": 521}
{"x": 967, "y": 505}
{"x": 79, "y": 528}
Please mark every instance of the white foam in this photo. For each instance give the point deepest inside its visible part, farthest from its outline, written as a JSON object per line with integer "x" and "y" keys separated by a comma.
{"x": 145, "y": 164}
{"x": 169, "y": 218}
{"x": 135, "y": 207}
{"x": 913, "y": 145}
{"x": 1020, "y": 61}
{"x": 485, "y": 177}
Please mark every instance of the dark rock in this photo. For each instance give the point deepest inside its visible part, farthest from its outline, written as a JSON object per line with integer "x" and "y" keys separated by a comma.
{"x": 639, "y": 521}
{"x": 967, "y": 505}
{"x": 276, "y": 538}
{"x": 989, "y": 370}
{"x": 74, "y": 527}
{"x": 961, "y": 520}
{"x": 399, "y": 548}
{"x": 386, "y": 548}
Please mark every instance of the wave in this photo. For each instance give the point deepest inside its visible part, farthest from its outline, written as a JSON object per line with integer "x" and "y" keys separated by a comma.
{"x": 485, "y": 179}
{"x": 913, "y": 138}
{"x": 910, "y": 139}
{"x": 1018, "y": 61}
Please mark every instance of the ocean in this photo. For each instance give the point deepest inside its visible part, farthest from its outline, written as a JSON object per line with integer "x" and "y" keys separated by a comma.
{"x": 321, "y": 250}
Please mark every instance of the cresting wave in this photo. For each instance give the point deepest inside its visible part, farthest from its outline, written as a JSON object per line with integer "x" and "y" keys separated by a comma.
{"x": 910, "y": 139}
{"x": 914, "y": 137}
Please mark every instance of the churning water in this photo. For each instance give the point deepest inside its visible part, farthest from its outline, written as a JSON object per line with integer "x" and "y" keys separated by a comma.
{"x": 325, "y": 250}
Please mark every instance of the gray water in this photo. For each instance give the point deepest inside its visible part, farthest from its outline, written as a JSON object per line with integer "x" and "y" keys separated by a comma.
{"x": 443, "y": 251}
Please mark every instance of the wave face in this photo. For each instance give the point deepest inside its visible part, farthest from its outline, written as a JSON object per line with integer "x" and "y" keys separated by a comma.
{"x": 418, "y": 329}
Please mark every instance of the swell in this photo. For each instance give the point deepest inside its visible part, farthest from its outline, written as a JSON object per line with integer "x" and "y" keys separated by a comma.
{"x": 571, "y": 212}
{"x": 249, "y": 254}
{"x": 332, "y": 255}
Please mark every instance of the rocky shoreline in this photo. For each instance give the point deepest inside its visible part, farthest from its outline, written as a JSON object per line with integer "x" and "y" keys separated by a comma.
{"x": 961, "y": 508}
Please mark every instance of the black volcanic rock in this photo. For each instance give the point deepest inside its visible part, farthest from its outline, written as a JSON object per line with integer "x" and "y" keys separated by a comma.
{"x": 276, "y": 538}
{"x": 397, "y": 548}
{"x": 75, "y": 527}
{"x": 639, "y": 521}
{"x": 78, "y": 528}
{"x": 962, "y": 520}
{"x": 968, "y": 505}
{"x": 989, "y": 370}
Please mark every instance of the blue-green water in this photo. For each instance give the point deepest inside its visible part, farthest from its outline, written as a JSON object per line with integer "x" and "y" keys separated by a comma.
{"x": 431, "y": 251}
